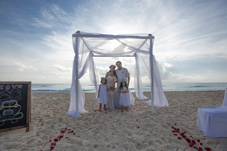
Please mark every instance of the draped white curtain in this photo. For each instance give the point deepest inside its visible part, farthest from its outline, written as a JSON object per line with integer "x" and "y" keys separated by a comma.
{"x": 160, "y": 99}
{"x": 138, "y": 82}
{"x": 88, "y": 46}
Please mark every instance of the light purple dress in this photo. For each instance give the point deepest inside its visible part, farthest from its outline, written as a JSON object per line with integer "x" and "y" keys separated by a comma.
{"x": 103, "y": 95}
{"x": 124, "y": 99}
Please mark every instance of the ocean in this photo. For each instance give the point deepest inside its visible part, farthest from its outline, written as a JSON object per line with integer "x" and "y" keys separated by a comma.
{"x": 146, "y": 87}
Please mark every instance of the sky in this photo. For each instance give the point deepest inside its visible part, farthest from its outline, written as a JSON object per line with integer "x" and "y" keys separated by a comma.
{"x": 36, "y": 37}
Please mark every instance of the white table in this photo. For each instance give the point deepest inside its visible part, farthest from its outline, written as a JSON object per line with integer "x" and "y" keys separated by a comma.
{"x": 213, "y": 121}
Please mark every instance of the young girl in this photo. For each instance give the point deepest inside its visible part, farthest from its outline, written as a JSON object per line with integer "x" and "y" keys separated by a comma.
{"x": 124, "y": 99}
{"x": 102, "y": 94}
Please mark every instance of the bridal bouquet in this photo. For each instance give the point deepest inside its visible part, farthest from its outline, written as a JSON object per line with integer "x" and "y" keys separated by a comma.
{"x": 113, "y": 80}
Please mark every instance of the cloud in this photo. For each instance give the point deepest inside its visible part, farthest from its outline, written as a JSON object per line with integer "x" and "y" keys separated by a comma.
{"x": 63, "y": 71}
{"x": 58, "y": 41}
{"x": 47, "y": 14}
{"x": 58, "y": 11}
{"x": 42, "y": 24}
{"x": 51, "y": 16}
{"x": 190, "y": 37}
{"x": 24, "y": 67}
{"x": 167, "y": 65}
{"x": 62, "y": 74}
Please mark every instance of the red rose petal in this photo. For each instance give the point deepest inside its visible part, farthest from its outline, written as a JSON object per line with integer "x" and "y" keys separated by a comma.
{"x": 190, "y": 145}
{"x": 201, "y": 143}
{"x": 50, "y": 140}
{"x": 74, "y": 133}
{"x": 51, "y": 148}
{"x": 198, "y": 140}
{"x": 179, "y": 137}
{"x": 195, "y": 147}
{"x": 208, "y": 149}
{"x": 182, "y": 134}
{"x": 188, "y": 140}
{"x": 55, "y": 139}
{"x": 60, "y": 136}
{"x": 193, "y": 142}
{"x": 200, "y": 149}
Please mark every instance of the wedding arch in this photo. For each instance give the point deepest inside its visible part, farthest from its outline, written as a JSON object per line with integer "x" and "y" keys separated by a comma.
{"x": 89, "y": 45}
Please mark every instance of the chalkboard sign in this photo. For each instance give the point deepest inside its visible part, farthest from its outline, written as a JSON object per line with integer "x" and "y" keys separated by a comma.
{"x": 15, "y": 105}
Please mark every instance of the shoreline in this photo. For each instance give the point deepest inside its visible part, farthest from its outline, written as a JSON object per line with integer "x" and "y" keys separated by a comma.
{"x": 137, "y": 129}
{"x": 87, "y": 92}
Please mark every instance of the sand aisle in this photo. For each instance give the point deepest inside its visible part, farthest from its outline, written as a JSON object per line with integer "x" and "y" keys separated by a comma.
{"x": 137, "y": 129}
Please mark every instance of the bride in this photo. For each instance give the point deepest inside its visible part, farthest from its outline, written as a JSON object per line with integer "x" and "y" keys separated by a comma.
{"x": 111, "y": 80}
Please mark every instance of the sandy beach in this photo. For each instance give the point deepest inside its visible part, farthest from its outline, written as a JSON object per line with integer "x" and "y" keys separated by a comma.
{"x": 137, "y": 129}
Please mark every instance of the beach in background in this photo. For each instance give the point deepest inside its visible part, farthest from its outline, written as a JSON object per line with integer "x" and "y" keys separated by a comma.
{"x": 138, "y": 129}
{"x": 146, "y": 87}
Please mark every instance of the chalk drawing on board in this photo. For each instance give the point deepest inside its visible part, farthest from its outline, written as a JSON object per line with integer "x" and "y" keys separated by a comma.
{"x": 4, "y": 96}
{"x": 15, "y": 94}
{"x": 10, "y": 109}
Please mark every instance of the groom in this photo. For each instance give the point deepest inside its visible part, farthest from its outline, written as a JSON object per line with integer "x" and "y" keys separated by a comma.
{"x": 122, "y": 74}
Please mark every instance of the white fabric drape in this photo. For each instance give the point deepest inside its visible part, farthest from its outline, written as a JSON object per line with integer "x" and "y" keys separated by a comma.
{"x": 93, "y": 73}
{"x": 137, "y": 79}
{"x": 160, "y": 99}
{"x": 89, "y": 47}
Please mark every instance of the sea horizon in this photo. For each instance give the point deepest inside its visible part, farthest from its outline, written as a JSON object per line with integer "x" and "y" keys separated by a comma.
{"x": 88, "y": 88}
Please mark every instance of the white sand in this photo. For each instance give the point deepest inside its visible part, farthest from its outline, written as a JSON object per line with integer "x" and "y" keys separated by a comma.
{"x": 137, "y": 129}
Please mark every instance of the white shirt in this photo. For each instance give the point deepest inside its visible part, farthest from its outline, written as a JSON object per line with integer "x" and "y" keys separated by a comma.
{"x": 122, "y": 75}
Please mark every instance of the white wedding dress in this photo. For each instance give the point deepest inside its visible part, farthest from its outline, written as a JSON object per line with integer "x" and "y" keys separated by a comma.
{"x": 110, "y": 94}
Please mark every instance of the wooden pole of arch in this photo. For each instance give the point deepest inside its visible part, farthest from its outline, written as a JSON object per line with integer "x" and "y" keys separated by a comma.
{"x": 152, "y": 72}
{"x": 76, "y": 69}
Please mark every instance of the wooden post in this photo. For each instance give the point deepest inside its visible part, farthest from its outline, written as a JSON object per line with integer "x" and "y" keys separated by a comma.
{"x": 152, "y": 72}
{"x": 77, "y": 72}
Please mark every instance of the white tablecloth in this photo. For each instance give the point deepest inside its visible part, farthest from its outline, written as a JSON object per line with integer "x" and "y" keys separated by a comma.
{"x": 213, "y": 121}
